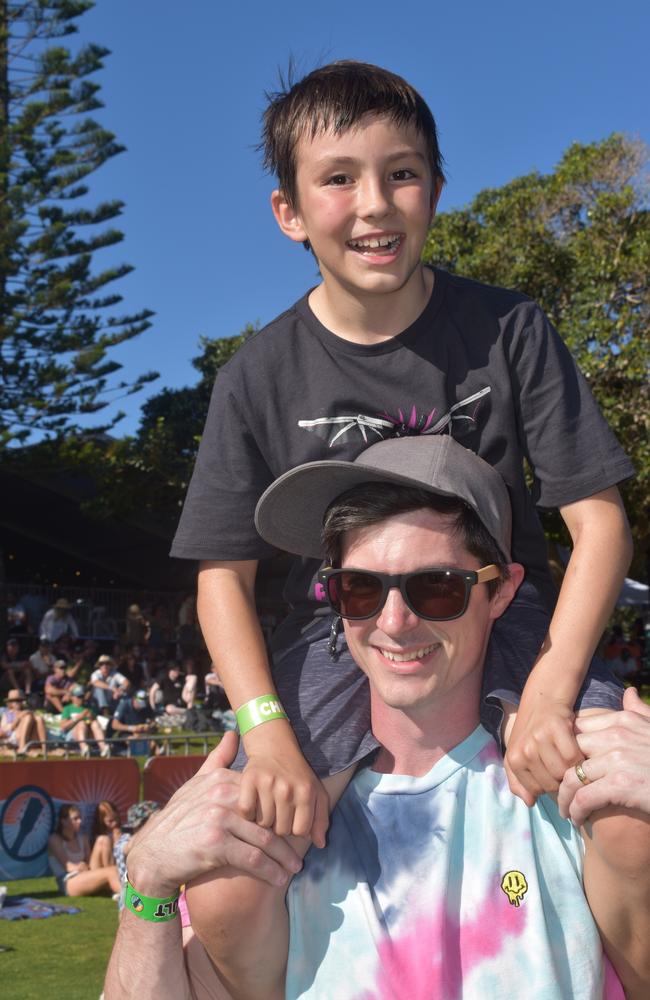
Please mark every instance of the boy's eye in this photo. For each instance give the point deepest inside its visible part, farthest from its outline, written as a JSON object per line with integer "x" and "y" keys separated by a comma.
{"x": 337, "y": 179}
{"x": 403, "y": 174}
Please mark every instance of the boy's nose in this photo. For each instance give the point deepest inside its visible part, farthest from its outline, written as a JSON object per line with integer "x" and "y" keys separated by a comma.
{"x": 374, "y": 201}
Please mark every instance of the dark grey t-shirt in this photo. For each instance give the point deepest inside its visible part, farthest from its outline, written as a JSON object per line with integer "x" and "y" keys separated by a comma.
{"x": 481, "y": 363}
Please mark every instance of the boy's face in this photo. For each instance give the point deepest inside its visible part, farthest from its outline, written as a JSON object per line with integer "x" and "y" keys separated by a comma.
{"x": 365, "y": 201}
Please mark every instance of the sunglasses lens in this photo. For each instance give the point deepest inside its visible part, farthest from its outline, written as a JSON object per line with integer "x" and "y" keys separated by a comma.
{"x": 355, "y": 595}
{"x": 436, "y": 595}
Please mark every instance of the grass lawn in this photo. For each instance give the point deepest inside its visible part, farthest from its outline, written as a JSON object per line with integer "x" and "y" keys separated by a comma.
{"x": 63, "y": 957}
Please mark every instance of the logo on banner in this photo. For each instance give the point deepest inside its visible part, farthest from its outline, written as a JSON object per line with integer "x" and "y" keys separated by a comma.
{"x": 26, "y": 822}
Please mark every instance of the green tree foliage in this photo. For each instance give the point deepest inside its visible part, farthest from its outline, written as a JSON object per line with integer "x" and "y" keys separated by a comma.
{"x": 577, "y": 241}
{"x": 144, "y": 476}
{"x": 57, "y": 319}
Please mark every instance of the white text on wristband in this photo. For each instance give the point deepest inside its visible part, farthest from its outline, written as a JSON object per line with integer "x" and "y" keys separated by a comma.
{"x": 257, "y": 711}
{"x": 149, "y": 907}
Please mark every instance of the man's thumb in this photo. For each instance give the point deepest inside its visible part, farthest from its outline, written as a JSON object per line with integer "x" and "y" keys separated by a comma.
{"x": 223, "y": 755}
{"x": 633, "y": 703}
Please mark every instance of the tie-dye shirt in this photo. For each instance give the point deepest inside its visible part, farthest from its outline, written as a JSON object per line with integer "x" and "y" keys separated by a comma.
{"x": 444, "y": 887}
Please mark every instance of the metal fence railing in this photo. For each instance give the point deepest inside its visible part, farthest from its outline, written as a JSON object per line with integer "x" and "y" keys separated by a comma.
{"x": 63, "y": 749}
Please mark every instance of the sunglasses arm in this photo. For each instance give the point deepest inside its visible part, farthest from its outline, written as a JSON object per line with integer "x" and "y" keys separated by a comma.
{"x": 486, "y": 573}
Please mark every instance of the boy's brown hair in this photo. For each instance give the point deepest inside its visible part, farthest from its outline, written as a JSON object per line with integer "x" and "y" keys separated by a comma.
{"x": 336, "y": 97}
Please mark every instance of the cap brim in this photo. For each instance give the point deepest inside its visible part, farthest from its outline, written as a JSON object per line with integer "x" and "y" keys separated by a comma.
{"x": 289, "y": 514}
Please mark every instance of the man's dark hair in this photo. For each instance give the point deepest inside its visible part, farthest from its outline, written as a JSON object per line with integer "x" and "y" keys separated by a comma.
{"x": 336, "y": 97}
{"x": 371, "y": 503}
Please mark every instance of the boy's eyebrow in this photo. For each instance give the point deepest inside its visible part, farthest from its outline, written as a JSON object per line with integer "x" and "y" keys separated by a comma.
{"x": 341, "y": 159}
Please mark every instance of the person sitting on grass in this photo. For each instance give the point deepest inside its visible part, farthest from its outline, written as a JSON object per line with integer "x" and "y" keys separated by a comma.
{"x": 19, "y": 725}
{"x": 78, "y": 870}
{"x": 106, "y": 831}
{"x": 79, "y": 722}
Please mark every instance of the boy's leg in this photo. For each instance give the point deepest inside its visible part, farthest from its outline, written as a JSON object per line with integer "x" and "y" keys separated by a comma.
{"x": 243, "y": 923}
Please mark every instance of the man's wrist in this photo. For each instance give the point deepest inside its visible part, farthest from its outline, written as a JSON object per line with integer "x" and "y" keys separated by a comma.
{"x": 148, "y": 880}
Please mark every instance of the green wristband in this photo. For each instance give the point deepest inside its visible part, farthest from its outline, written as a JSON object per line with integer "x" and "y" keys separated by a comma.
{"x": 259, "y": 710}
{"x": 150, "y": 908}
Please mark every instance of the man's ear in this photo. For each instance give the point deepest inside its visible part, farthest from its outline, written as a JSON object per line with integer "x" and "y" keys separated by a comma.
{"x": 507, "y": 590}
{"x": 288, "y": 217}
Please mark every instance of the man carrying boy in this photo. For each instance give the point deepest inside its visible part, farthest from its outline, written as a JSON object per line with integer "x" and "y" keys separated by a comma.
{"x": 384, "y": 346}
{"x": 436, "y": 880}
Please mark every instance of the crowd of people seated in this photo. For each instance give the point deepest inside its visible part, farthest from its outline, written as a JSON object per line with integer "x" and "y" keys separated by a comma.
{"x": 81, "y": 696}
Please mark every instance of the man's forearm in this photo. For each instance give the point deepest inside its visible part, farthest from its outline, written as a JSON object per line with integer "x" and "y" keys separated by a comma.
{"x": 147, "y": 961}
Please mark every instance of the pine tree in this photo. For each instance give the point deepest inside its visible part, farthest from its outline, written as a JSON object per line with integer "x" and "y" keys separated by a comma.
{"x": 57, "y": 320}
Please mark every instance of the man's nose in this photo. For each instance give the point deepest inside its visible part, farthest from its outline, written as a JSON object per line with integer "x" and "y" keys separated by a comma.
{"x": 396, "y": 616}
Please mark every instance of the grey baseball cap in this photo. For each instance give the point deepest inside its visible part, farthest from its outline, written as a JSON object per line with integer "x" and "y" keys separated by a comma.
{"x": 290, "y": 512}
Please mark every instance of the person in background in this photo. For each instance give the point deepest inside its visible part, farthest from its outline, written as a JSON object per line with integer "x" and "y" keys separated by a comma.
{"x": 137, "y": 627}
{"x": 71, "y": 863}
{"x": 14, "y": 668}
{"x": 58, "y": 622}
{"x": 106, "y": 832}
{"x": 134, "y": 718}
{"x": 131, "y": 668}
{"x": 42, "y": 664}
{"x": 136, "y": 817}
{"x": 79, "y": 723}
{"x": 108, "y": 685}
{"x": 19, "y": 725}
{"x": 215, "y": 694}
{"x": 166, "y": 693}
{"x": 57, "y": 687}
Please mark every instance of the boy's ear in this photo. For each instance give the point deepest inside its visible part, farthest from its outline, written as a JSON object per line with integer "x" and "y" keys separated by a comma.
{"x": 288, "y": 217}
{"x": 507, "y": 590}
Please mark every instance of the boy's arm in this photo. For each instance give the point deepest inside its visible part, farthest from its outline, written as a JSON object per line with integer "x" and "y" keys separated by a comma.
{"x": 542, "y": 744}
{"x": 279, "y": 789}
{"x": 613, "y": 808}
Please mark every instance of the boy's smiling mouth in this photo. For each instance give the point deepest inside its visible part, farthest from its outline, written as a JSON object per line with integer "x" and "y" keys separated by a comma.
{"x": 387, "y": 243}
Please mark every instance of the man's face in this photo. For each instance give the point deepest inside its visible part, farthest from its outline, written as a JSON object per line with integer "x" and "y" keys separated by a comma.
{"x": 412, "y": 663}
{"x": 371, "y": 183}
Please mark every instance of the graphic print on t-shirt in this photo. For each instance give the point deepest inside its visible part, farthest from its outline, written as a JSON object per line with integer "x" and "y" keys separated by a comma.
{"x": 338, "y": 430}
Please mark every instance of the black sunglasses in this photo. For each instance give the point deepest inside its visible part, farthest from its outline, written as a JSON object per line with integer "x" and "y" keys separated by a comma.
{"x": 438, "y": 594}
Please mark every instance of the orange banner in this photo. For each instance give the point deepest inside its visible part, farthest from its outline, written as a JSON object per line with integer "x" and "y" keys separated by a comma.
{"x": 163, "y": 775}
{"x": 31, "y": 794}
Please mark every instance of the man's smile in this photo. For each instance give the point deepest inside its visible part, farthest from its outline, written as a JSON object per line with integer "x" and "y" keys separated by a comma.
{"x": 410, "y": 655}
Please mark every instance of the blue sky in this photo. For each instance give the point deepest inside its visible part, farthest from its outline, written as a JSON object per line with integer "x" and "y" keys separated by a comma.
{"x": 511, "y": 85}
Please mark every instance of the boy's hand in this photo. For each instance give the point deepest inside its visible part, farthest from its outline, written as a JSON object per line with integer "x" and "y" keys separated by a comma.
{"x": 541, "y": 747}
{"x": 280, "y": 791}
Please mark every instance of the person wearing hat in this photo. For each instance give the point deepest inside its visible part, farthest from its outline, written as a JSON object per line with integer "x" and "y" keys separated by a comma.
{"x": 79, "y": 723}
{"x": 436, "y": 880}
{"x": 134, "y": 718}
{"x": 107, "y": 683}
{"x": 19, "y": 725}
{"x": 58, "y": 622}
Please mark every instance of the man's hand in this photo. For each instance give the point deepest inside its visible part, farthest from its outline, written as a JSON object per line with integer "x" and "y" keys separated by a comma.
{"x": 541, "y": 748}
{"x": 199, "y": 831}
{"x": 284, "y": 794}
{"x": 617, "y": 748}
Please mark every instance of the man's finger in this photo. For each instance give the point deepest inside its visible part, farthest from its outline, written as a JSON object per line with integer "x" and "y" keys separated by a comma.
{"x": 223, "y": 755}
{"x": 633, "y": 703}
{"x": 260, "y": 852}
